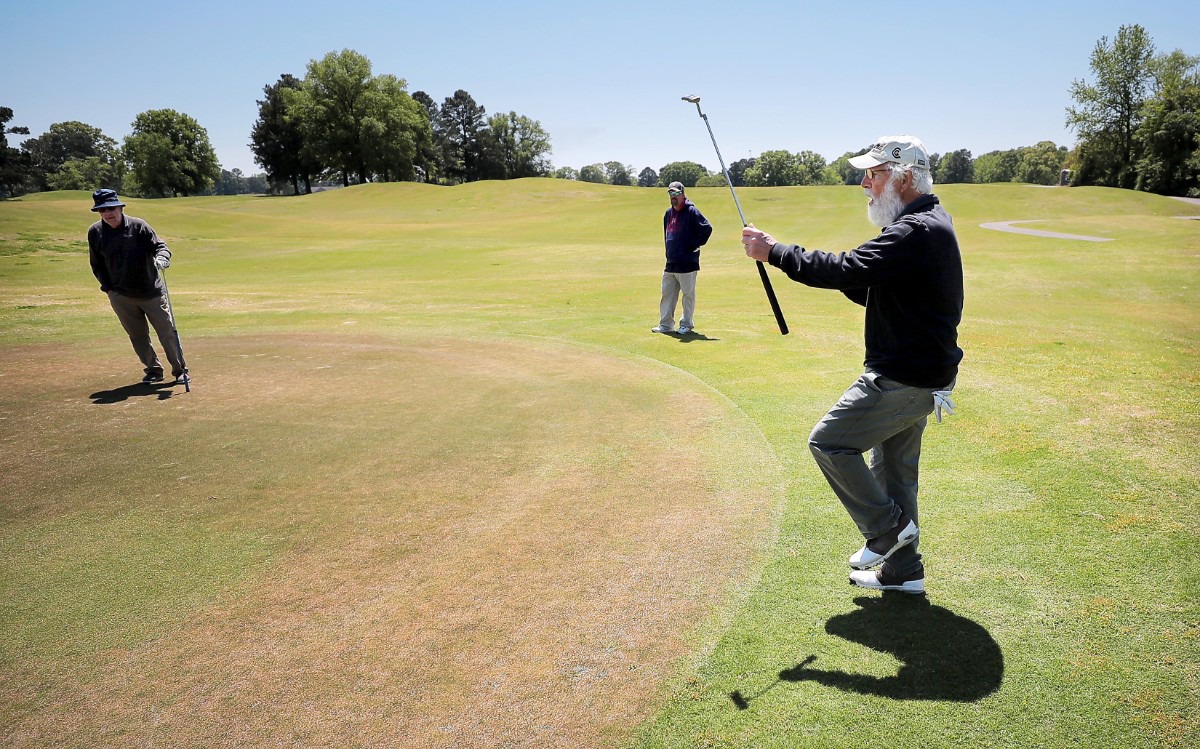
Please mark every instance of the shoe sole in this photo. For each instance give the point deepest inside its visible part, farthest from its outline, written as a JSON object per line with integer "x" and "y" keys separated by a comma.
{"x": 900, "y": 544}
{"x": 913, "y": 588}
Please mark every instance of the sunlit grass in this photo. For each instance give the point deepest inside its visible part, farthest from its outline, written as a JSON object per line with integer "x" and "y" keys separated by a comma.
{"x": 1058, "y": 502}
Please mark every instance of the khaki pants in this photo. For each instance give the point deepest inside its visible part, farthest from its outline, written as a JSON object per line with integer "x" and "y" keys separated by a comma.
{"x": 134, "y": 314}
{"x": 887, "y": 419}
{"x": 672, "y": 285}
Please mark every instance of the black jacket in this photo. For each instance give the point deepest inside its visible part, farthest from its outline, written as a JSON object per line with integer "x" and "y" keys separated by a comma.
{"x": 123, "y": 258}
{"x": 910, "y": 279}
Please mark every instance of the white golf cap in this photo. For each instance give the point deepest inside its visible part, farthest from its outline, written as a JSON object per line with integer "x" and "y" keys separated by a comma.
{"x": 894, "y": 149}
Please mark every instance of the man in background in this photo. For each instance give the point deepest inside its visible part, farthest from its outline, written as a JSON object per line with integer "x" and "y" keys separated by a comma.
{"x": 685, "y": 230}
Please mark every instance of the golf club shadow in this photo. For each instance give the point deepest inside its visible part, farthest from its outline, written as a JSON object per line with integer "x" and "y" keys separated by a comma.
{"x": 693, "y": 336}
{"x": 161, "y": 390}
{"x": 944, "y": 656}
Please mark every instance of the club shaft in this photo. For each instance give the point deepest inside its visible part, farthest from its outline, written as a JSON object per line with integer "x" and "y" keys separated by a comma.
{"x": 762, "y": 270}
{"x": 162, "y": 273}
{"x": 728, "y": 179}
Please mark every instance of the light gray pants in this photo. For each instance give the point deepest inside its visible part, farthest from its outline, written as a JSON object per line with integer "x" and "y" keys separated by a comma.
{"x": 886, "y": 418}
{"x": 672, "y": 285}
{"x": 134, "y": 314}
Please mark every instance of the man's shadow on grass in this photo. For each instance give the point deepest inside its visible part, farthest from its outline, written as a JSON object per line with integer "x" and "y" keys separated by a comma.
{"x": 944, "y": 656}
{"x": 160, "y": 390}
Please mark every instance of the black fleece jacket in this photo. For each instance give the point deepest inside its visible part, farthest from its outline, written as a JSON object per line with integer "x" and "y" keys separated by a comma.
{"x": 123, "y": 258}
{"x": 910, "y": 279}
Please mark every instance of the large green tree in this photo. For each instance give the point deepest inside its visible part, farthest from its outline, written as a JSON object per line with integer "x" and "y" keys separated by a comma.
{"x": 1041, "y": 164}
{"x": 65, "y": 142}
{"x": 737, "y": 171}
{"x": 618, "y": 173}
{"x": 775, "y": 169}
{"x": 688, "y": 173}
{"x": 997, "y": 166}
{"x": 1169, "y": 135}
{"x": 278, "y": 141}
{"x": 1108, "y": 112}
{"x": 847, "y": 175}
{"x": 14, "y": 163}
{"x": 955, "y": 167}
{"x": 461, "y": 122}
{"x": 395, "y": 130}
{"x": 593, "y": 173}
{"x": 512, "y": 146}
{"x": 88, "y": 174}
{"x": 428, "y": 161}
{"x": 357, "y": 125}
{"x": 169, "y": 154}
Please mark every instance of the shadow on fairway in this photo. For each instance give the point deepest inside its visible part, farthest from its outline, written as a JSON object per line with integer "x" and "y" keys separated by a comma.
{"x": 693, "y": 336}
{"x": 161, "y": 390}
{"x": 944, "y": 656}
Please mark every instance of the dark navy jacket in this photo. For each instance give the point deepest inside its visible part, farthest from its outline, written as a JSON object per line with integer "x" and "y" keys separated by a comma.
{"x": 123, "y": 258}
{"x": 684, "y": 240}
{"x": 910, "y": 279}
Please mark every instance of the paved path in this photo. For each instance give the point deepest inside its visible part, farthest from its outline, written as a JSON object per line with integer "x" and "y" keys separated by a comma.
{"x": 1008, "y": 226}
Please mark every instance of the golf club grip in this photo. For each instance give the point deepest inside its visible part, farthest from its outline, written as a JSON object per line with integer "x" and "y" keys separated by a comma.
{"x": 766, "y": 280}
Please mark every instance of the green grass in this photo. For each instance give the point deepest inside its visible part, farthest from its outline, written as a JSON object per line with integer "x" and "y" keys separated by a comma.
{"x": 381, "y": 359}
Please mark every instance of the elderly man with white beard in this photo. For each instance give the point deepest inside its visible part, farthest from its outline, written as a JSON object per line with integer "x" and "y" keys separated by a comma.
{"x": 910, "y": 280}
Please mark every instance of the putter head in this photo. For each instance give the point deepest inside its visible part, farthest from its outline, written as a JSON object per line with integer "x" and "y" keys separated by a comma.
{"x": 691, "y": 99}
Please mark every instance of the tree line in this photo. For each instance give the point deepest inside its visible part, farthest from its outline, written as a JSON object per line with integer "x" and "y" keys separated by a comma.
{"x": 1137, "y": 122}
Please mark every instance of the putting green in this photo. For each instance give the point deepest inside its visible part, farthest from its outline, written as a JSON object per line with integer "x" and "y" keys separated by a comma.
{"x": 399, "y": 541}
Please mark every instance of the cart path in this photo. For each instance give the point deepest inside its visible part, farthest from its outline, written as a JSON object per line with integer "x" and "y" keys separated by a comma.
{"x": 1009, "y": 227}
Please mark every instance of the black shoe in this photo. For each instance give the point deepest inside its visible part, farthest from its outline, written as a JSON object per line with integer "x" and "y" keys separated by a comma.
{"x": 183, "y": 378}
{"x": 876, "y": 551}
{"x": 152, "y": 377}
{"x": 886, "y": 579}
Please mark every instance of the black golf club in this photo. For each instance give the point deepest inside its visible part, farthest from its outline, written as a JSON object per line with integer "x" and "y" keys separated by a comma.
{"x": 187, "y": 381}
{"x": 762, "y": 271}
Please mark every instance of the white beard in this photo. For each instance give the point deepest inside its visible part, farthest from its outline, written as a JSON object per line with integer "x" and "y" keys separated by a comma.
{"x": 883, "y": 210}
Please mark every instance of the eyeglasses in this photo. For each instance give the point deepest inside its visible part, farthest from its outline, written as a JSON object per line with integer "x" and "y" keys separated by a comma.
{"x": 875, "y": 171}
{"x": 110, "y": 209}
{"x": 673, "y": 193}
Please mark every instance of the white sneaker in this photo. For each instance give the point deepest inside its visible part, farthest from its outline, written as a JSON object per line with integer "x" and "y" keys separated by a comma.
{"x": 876, "y": 551}
{"x": 684, "y": 330}
{"x": 661, "y": 329}
{"x": 884, "y": 580}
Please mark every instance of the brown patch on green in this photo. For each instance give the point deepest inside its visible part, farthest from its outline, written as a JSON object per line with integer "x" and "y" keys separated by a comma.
{"x": 457, "y": 543}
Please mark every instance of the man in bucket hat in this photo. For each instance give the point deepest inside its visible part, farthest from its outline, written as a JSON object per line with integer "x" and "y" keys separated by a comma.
{"x": 126, "y": 256}
{"x": 910, "y": 280}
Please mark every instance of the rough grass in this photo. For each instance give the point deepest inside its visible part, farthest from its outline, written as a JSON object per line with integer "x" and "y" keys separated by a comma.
{"x": 436, "y": 484}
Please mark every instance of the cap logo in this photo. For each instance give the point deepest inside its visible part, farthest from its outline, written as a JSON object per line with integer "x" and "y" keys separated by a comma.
{"x": 896, "y": 153}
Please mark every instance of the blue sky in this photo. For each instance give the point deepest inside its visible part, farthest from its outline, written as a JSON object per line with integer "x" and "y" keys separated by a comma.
{"x": 604, "y": 79}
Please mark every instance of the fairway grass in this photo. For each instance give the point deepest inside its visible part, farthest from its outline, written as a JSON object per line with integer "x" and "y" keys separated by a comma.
{"x": 437, "y": 485}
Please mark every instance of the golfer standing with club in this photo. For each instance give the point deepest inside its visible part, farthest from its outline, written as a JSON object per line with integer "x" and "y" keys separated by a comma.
{"x": 910, "y": 280}
{"x": 126, "y": 255}
{"x": 685, "y": 230}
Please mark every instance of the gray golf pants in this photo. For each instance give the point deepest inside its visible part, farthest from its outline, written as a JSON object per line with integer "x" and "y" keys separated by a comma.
{"x": 887, "y": 419}
{"x": 134, "y": 314}
{"x": 672, "y": 285}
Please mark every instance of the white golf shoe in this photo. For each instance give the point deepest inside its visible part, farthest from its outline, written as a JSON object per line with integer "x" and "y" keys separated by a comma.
{"x": 876, "y": 551}
{"x": 886, "y": 580}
